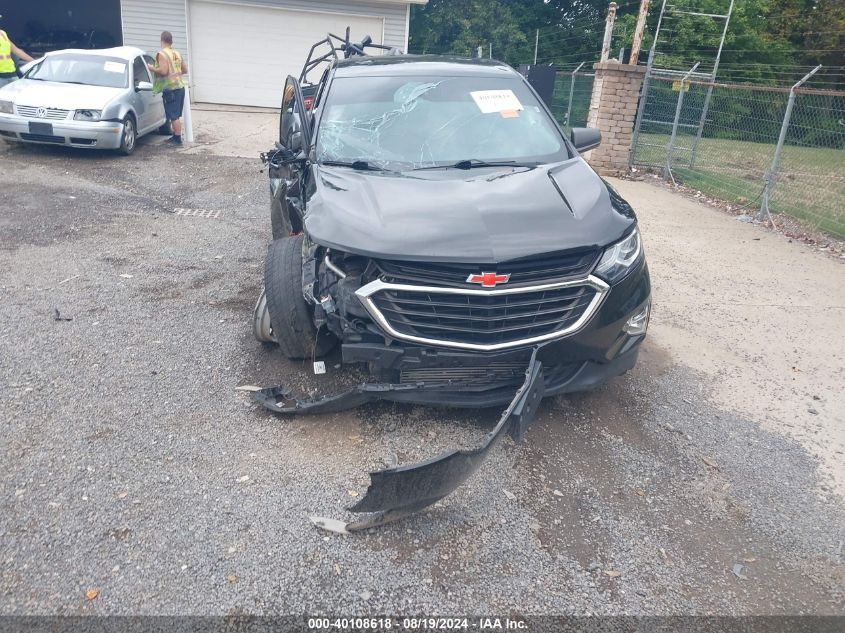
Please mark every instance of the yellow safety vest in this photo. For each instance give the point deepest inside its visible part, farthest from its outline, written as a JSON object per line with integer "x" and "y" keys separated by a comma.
{"x": 7, "y": 64}
{"x": 173, "y": 81}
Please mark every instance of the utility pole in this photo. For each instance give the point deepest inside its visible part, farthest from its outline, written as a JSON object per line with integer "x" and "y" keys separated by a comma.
{"x": 638, "y": 32}
{"x": 536, "y": 45}
{"x": 608, "y": 31}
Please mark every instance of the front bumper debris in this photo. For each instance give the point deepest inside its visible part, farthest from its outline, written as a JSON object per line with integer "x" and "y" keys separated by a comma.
{"x": 403, "y": 490}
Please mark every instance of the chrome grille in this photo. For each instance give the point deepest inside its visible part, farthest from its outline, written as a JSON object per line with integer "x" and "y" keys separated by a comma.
{"x": 482, "y": 319}
{"x": 50, "y": 114}
{"x": 533, "y": 270}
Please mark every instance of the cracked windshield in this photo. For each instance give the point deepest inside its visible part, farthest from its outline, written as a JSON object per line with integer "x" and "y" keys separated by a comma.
{"x": 418, "y": 122}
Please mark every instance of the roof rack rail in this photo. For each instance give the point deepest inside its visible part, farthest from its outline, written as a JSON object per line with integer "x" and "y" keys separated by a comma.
{"x": 340, "y": 46}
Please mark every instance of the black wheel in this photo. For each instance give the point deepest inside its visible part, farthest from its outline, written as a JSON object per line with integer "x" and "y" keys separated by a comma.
{"x": 290, "y": 316}
{"x": 277, "y": 220}
{"x": 129, "y": 136}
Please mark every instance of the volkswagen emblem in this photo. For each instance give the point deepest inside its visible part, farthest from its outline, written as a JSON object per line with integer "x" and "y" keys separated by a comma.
{"x": 41, "y": 113}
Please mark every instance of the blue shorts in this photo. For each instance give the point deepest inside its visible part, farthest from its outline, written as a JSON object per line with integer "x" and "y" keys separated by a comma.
{"x": 173, "y": 102}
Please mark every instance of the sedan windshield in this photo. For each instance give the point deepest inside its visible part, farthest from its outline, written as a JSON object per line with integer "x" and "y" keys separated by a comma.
{"x": 90, "y": 70}
{"x": 411, "y": 122}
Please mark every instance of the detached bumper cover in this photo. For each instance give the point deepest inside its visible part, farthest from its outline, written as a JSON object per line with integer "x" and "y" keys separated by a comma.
{"x": 402, "y": 490}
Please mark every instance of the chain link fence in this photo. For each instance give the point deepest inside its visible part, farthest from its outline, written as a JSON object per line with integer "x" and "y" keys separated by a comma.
{"x": 572, "y": 94}
{"x": 726, "y": 137}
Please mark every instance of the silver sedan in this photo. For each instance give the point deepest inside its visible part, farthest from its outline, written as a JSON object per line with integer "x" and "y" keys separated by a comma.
{"x": 83, "y": 98}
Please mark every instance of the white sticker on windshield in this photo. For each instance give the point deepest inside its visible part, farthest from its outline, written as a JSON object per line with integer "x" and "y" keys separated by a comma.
{"x": 496, "y": 101}
{"x": 114, "y": 67}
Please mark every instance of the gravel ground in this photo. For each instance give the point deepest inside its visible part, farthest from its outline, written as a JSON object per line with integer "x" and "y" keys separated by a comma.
{"x": 132, "y": 467}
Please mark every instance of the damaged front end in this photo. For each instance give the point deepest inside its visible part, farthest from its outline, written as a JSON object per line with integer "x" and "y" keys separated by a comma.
{"x": 332, "y": 284}
{"x": 428, "y": 337}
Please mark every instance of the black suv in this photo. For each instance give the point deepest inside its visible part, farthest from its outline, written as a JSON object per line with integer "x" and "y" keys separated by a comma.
{"x": 431, "y": 218}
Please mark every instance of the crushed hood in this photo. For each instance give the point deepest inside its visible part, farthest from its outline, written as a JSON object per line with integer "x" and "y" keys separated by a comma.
{"x": 51, "y": 94}
{"x": 483, "y": 215}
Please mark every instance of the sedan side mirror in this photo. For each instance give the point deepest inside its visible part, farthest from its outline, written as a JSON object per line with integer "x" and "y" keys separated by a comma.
{"x": 585, "y": 138}
{"x": 143, "y": 85}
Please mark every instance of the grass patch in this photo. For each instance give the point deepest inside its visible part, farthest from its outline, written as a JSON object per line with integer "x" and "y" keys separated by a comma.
{"x": 810, "y": 184}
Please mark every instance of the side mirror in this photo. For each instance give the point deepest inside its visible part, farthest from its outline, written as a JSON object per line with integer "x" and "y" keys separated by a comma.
{"x": 291, "y": 132}
{"x": 143, "y": 85}
{"x": 295, "y": 142}
{"x": 585, "y": 138}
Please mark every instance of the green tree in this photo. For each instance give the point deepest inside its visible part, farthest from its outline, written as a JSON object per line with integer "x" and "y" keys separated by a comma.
{"x": 768, "y": 41}
{"x": 461, "y": 26}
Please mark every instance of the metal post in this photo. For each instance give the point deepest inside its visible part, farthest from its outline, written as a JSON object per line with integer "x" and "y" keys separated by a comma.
{"x": 671, "y": 148}
{"x": 706, "y": 107}
{"x": 608, "y": 31}
{"x": 187, "y": 119}
{"x": 536, "y": 45}
{"x": 491, "y": 50}
{"x": 638, "y": 33}
{"x": 644, "y": 90}
{"x": 571, "y": 94}
{"x": 480, "y": 51}
{"x": 772, "y": 174}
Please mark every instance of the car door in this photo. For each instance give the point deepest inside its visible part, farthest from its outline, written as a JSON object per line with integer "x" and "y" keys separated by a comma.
{"x": 294, "y": 141}
{"x": 143, "y": 98}
{"x": 159, "y": 117}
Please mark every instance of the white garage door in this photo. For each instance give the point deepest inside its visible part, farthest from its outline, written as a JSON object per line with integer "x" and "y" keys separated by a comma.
{"x": 241, "y": 54}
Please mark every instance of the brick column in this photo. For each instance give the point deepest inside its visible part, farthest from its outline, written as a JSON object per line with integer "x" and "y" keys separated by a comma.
{"x": 613, "y": 109}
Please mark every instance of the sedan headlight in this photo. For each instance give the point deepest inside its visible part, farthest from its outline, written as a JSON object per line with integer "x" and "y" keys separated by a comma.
{"x": 87, "y": 115}
{"x": 618, "y": 258}
{"x": 6, "y": 107}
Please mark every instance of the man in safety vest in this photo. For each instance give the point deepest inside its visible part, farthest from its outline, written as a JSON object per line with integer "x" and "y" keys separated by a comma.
{"x": 8, "y": 70}
{"x": 168, "y": 71}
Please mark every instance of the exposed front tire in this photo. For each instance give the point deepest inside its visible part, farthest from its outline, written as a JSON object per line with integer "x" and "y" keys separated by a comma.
{"x": 290, "y": 316}
{"x": 129, "y": 136}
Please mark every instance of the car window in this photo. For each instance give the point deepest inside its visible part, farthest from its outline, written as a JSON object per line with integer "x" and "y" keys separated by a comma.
{"x": 74, "y": 68}
{"x": 140, "y": 71}
{"x": 419, "y": 121}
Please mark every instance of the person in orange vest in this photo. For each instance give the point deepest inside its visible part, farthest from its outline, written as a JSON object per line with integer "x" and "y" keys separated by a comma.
{"x": 168, "y": 71}
{"x": 8, "y": 70}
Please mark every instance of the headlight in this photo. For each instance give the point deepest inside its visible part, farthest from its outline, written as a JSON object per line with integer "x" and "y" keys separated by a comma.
{"x": 618, "y": 258}
{"x": 87, "y": 115}
{"x": 6, "y": 107}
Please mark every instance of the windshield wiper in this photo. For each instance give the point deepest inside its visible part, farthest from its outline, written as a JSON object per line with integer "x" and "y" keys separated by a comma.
{"x": 360, "y": 165}
{"x": 471, "y": 163}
